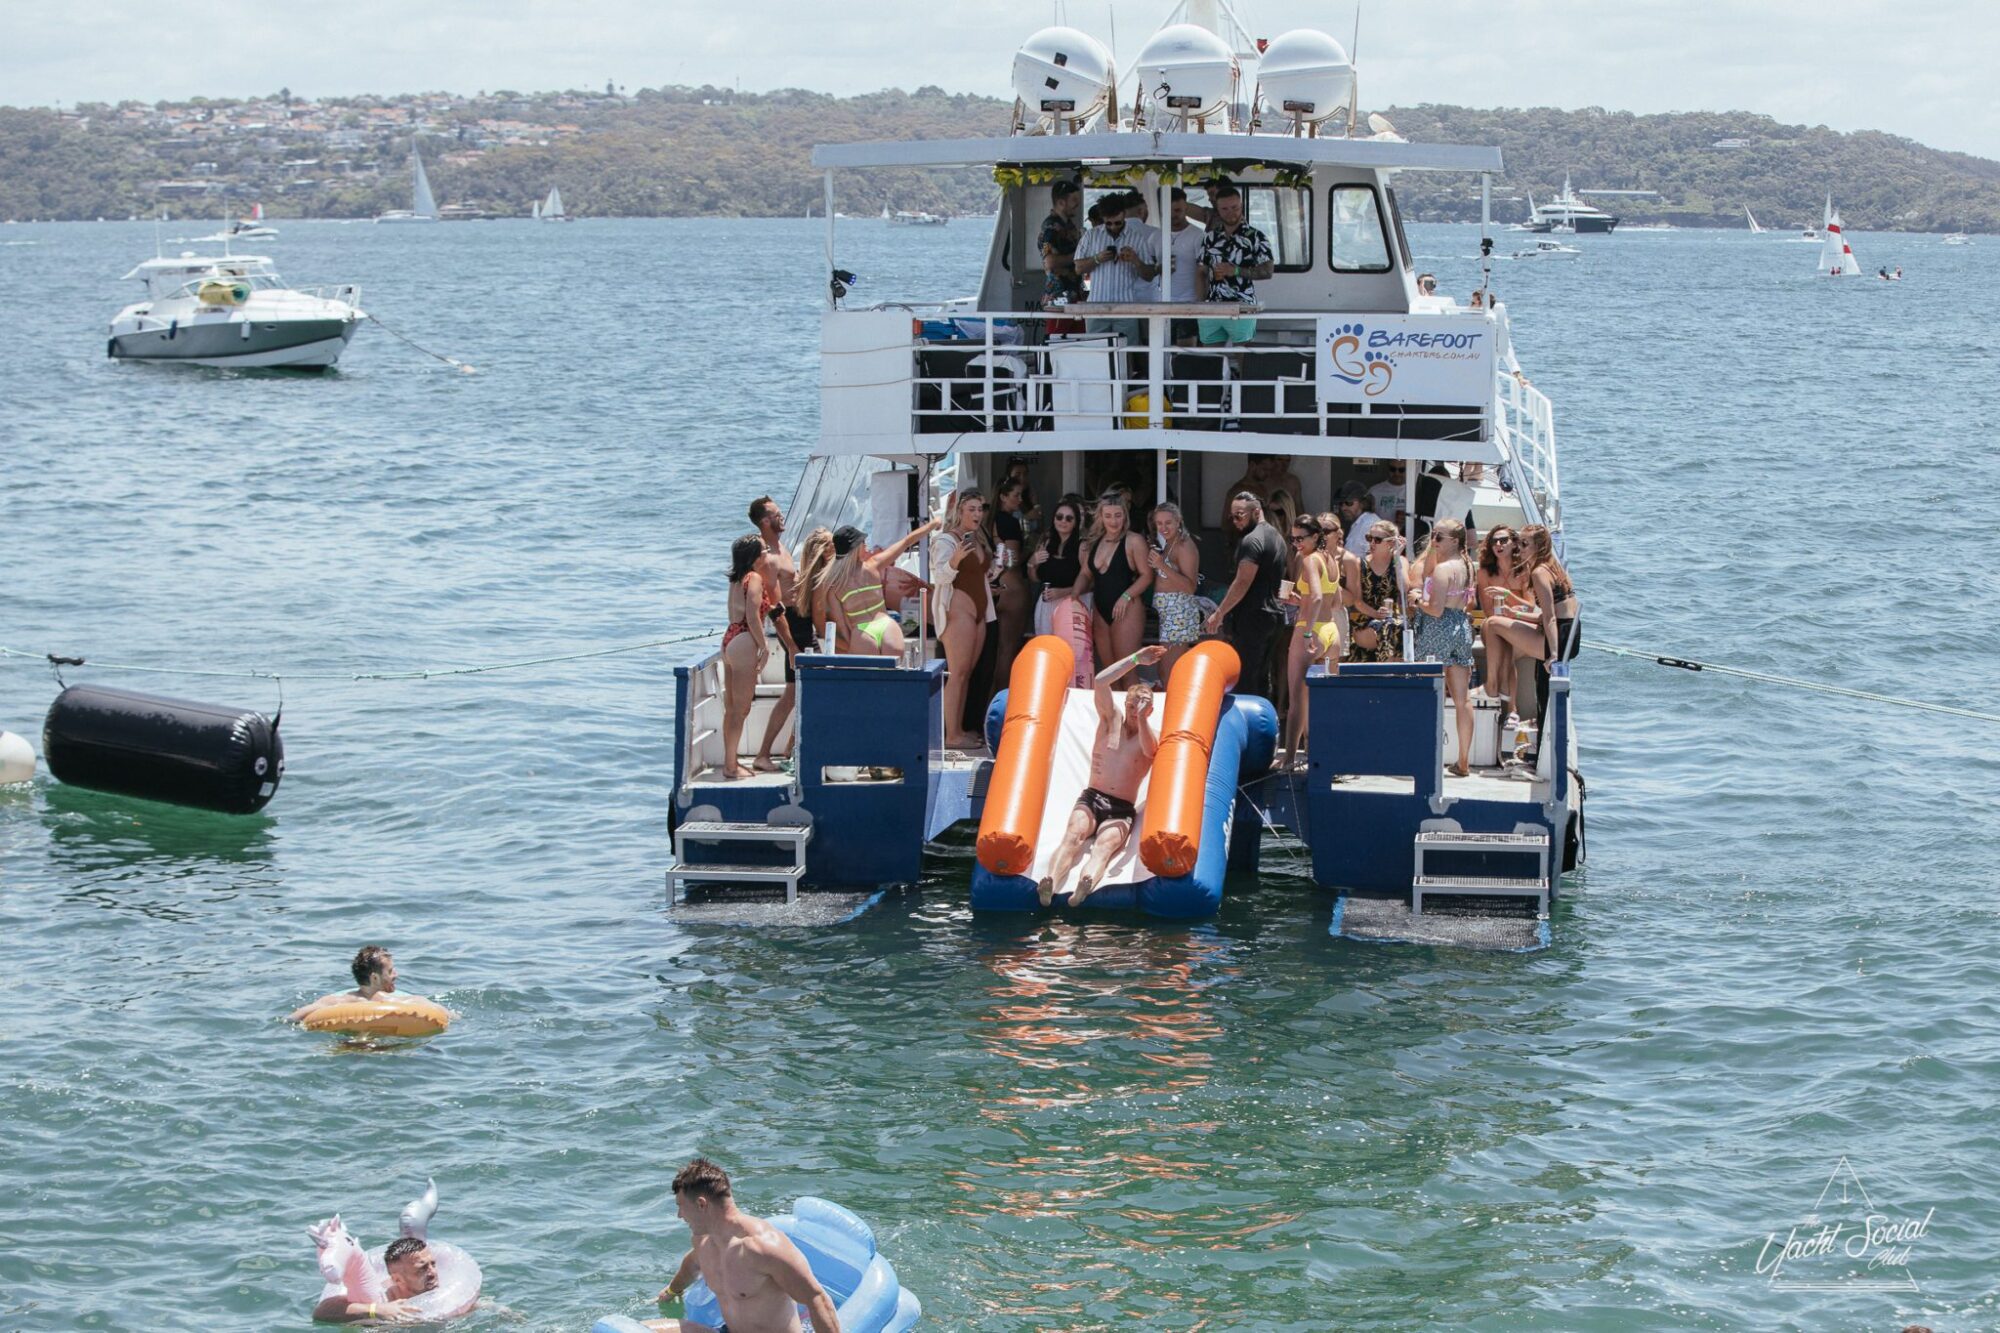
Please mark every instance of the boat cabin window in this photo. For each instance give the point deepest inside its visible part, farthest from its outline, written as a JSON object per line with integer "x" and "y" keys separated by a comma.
{"x": 1356, "y": 242}
{"x": 1284, "y": 214}
{"x": 1402, "y": 237}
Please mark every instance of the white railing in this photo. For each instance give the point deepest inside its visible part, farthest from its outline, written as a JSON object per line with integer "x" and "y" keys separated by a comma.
{"x": 1528, "y": 429}
{"x": 980, "y": 372}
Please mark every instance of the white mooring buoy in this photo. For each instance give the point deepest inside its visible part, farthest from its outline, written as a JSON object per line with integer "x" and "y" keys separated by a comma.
{"x": 17, "y": 759}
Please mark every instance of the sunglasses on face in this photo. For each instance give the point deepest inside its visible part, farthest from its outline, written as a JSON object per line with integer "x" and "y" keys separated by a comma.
{"x": 1065, "y": 518}
{"x": 1503, "y": 541}
{"x": 1373, "y": 540}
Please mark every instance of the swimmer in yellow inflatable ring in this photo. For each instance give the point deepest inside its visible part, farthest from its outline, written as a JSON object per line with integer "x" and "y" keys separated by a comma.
{"x": 374, "y": 1007}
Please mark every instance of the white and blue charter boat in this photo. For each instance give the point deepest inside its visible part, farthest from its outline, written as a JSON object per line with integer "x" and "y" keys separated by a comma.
{"x": 1349, "y": 367}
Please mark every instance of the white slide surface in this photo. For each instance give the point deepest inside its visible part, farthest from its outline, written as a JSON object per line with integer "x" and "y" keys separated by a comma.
{"x": 1069, "y": 774}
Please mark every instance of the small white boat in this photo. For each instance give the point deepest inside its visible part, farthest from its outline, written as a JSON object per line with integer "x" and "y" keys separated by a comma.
{"x": 232, "y": 310}
{"x": 1836, "y": 256}
{"x": 906, "y": 218}
{"x": 1548, "y": 250}
{"x": 1958, "y": 238}
{"x": 423, "y": 205}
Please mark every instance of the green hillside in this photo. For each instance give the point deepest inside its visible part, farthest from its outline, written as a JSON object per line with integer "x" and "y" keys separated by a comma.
{"x": 680, "y": 152}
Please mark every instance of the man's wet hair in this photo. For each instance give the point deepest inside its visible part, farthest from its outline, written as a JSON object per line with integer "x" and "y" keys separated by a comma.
{"x": 402, "y": 1248}
{"x": 372, "y": 959}
{"x": 1255, "y": 501}
{"x": 759, "y": 507}
{"x": 703, "y": 1179}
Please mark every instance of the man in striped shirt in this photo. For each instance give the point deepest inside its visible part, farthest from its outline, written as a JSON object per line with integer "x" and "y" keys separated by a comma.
{"x": 1121, "y": 260}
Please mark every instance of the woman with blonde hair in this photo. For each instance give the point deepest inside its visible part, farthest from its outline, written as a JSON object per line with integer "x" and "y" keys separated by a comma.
{"x": 961, "y": 558}
{"x": 1440, "y": 591}
{"x": 1317, "y": 636}
{"x": 852, "y": 596}
{"x": 1543, "y": 627}
{"x": 1114, "y": 560}
{"x": 1176, "y": 566}
{"x": 1375, "y": 616}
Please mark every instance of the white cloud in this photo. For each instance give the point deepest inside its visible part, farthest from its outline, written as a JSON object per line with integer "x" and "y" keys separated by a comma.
{"x": 1911, "y": 69}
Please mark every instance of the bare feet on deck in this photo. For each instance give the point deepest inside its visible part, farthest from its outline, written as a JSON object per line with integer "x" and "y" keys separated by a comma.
{"x": 965, "y": 743}
{"x": 735, "y": 774}
{"x": 765, "y": 765}
{"x": 1046, "y": 891}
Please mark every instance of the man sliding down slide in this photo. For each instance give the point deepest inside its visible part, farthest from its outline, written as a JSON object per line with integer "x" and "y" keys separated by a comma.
{"x": 1120, "y": 757}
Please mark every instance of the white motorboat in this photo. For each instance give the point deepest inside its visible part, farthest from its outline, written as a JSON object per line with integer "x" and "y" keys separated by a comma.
{"x": 1569, "y": 213}
{"x": 1958, "y": 238}
{"x": 1548, "y": 250}
{"x": 232, "y": 310}
{"x": 423, "y": 206}
{"x": 906, "y": 218}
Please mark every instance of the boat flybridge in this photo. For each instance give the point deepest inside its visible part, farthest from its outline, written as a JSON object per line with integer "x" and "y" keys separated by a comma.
{"x": 233, "y": 310}
{"x": 1339, "y": 366}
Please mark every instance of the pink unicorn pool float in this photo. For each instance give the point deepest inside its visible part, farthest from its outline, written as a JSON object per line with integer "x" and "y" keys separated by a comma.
{"x": 362, "y": 1276}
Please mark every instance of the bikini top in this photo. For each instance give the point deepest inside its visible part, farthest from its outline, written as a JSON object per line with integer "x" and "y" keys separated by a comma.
{"x": 873, "y": 590}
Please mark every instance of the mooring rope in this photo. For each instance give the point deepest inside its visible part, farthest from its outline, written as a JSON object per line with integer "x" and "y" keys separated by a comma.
{"x": 377, "y": 320}
{"x": 421, "y": 673}
{"x": 1765, "y": 677}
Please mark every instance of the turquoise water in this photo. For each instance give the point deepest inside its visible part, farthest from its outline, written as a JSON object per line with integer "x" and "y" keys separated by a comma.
{"x": 1782, "y": 953}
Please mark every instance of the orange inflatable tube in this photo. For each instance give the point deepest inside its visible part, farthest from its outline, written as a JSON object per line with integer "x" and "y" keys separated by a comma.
{"x": 1171, "y": 834}
{"x": 1019, "y": 786}
{"x": 387, "y": 1015}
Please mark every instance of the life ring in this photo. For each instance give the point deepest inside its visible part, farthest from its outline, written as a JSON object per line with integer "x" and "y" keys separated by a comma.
{"x": 363, "y": 1275}
{"x": 384, "y": 1016}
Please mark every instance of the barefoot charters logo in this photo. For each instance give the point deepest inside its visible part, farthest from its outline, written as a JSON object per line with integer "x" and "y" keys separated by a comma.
{"x": 1444, "y": 360}
{"x": 1847, "y": 1242}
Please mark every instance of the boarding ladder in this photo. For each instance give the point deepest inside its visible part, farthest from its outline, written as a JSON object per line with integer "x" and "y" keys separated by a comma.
{"x": 1488, "y": 846}
{"x": 699, "y": 858}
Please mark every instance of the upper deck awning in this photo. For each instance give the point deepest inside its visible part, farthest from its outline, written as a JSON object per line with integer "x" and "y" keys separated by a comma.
{"x": 1159, "y": 146}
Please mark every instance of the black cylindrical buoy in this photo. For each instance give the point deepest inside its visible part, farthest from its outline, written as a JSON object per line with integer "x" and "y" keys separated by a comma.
{"x": 173, "y": 750}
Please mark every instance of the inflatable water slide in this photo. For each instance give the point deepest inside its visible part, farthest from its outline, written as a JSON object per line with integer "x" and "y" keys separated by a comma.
{"x": 1210, "y": 741}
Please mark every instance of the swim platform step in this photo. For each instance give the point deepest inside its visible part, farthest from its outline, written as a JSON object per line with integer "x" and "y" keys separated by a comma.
{"x": 1483, "y": 842}
{"x": 1490, "y": 886}
{"x": 787, "y": 837}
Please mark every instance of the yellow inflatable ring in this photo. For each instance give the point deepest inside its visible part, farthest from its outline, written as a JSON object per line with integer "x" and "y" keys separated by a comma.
{"x": 383, "y": 1016}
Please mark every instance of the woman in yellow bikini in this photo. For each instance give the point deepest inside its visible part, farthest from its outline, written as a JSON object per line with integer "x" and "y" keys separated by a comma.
{"x": 854, "y": 598}
{"x": 1317, "y": 637}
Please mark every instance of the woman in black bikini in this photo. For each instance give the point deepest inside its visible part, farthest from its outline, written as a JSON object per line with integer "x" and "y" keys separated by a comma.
{"x": 1057, "y": 572}
{"x": 1114, "y": 560}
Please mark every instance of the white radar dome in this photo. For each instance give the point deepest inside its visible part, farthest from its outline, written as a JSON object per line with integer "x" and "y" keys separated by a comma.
{"x": 1063, "y": 72}
{"x": 1187, "y": 71}
{"x": 1306, "y": 75}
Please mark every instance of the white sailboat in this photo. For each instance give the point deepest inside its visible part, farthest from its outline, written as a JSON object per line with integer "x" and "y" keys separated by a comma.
{"x": 552, "y": 207}
{"x": 535, "y": 212}
{"x": 1754, "y": 228}
{"x": 423, "y": 207}
{"x": 1836, "y": 256}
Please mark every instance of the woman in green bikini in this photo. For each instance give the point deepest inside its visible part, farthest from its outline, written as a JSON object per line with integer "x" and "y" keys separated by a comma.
{"x": 854, "y": 600}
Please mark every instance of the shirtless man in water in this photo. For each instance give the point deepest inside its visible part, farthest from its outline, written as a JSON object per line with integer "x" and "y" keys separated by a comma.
{"x": 758, "y": 1276}
{"x": 1121, "y": 755}
{"x": 413, "y": 1270}
{"x": 374, "y": 974}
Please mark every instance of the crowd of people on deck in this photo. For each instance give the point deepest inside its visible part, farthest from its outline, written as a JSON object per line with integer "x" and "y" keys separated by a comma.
{"x": 1301, "y": 594}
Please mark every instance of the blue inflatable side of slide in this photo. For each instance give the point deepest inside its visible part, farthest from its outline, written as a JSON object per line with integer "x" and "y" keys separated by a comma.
{"x": 840, "y": 1247}
{"x": 1246, "y": 739}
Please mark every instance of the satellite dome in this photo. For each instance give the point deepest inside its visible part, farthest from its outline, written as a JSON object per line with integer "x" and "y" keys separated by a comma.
{"x": 1306, "y": 76}
{"x": 1187, "y": 71}
{"x": 1064, "y": 73}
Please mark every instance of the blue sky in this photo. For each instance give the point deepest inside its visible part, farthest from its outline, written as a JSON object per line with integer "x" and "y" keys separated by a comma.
{"x": 1918, "y": 69}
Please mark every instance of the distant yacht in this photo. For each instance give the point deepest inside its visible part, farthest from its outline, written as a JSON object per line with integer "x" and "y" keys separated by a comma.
{"x": 1567, "y": 212}
{"x": 1548, "y": 250}
{"x": 1958, "y": 238}
{"x": 252, "y": 228}
{"x": 551, "y": 209}
{"x": 232, "y": 310}
{"x": 905, "y": 218}
{"x": 423, "y": 207}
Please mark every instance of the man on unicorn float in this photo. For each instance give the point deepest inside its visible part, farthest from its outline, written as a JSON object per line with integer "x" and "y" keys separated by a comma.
{"x": 413, "y": 1271}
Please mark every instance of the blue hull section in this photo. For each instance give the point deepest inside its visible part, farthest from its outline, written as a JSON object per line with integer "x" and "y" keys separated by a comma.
{"x": 1245, "y": 740}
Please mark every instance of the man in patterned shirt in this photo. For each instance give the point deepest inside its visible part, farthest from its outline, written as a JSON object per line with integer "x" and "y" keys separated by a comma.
{"x": 1235, "y": 256}
{"x": 1058, "y": 245}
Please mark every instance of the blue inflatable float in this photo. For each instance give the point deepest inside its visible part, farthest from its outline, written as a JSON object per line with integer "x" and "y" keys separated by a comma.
{"x": 840, "y": 1248}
